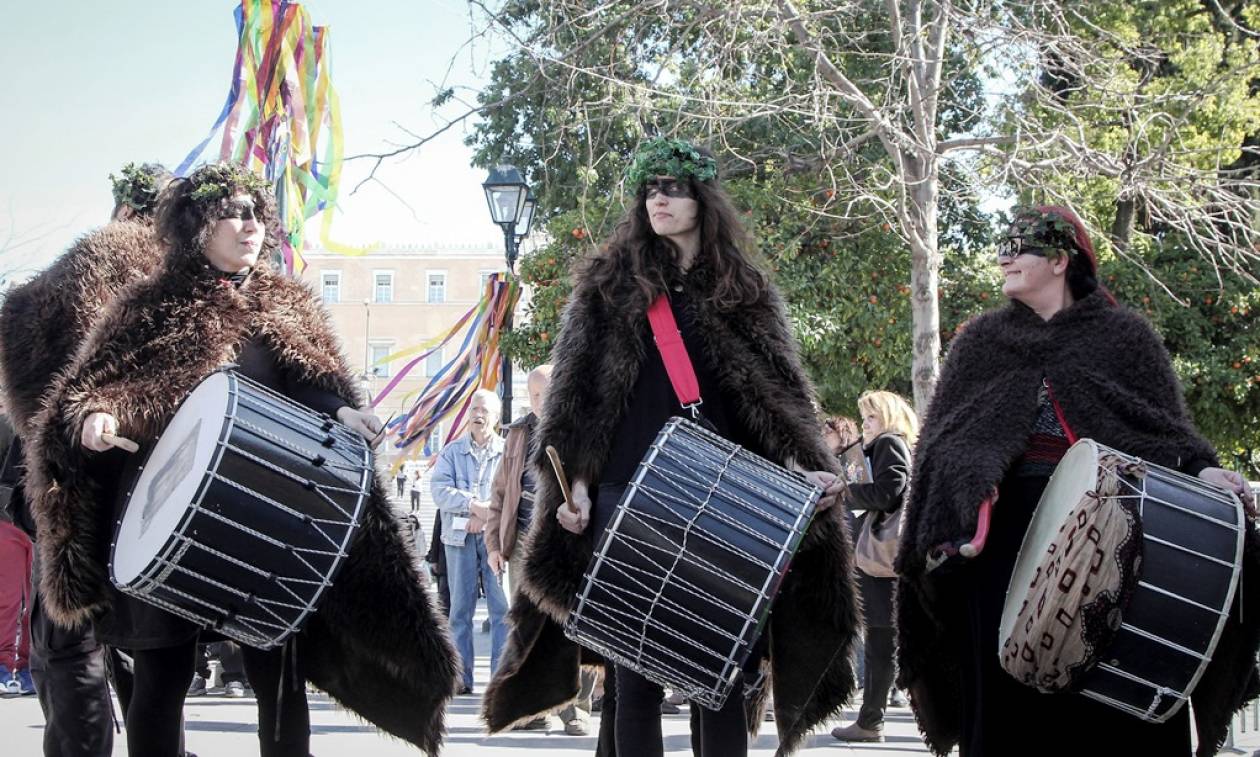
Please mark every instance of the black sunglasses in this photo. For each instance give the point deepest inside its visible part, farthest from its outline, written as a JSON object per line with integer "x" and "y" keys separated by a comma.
{"x": 245, "y": 211}
{"x": 668, "y": 187}
{"x": 1012, "y": 247}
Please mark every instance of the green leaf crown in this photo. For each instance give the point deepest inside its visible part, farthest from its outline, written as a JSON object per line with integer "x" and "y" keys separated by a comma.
{"x": 1046, "y": 231}
{"x": 138, "y": 186}
{"x": 219, "y": 181}
{"x": 663, "y": 156}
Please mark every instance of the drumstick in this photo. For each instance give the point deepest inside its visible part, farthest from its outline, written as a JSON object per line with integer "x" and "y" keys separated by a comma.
{"x": 558, "y": 466}
{"x": 120, "y": 442}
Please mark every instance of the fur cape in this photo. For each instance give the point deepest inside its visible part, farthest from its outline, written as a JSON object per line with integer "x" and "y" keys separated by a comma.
{"x": 376, "y": 644}
{"x": 597, "y": 359}
{"x": 1114, "y": 381}
{"x": 43, "y": 321}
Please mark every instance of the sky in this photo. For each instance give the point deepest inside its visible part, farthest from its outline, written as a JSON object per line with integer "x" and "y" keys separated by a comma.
{"x": 90, "y": 86}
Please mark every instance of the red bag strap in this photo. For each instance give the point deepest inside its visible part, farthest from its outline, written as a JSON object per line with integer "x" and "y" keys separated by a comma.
{"x": 1058, "y": 410}
{"x": 674, "y": 354}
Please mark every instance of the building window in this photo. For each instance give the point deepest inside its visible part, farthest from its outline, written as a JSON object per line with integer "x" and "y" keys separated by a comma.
{"x": 377, "y": 354}
{"x": 485, "y": 278}
{"x": 433, "y": 363}
{"x": 330, "y": 286}
{"x": 437, "y": 287}
{"x": 383, "y": 286}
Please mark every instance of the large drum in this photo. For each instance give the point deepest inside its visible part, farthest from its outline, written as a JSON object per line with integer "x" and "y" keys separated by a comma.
{"x": 682, "y": 580}
{"x": 242, "y": 512}
{"x": 1161, "y": 635}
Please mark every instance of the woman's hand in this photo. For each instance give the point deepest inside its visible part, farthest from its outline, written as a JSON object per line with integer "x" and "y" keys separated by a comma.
{"x": 576, "y": 522}
{"x": 95, "y": 427}
{"x": 1234, "y": 482}
{"x": 362, "y": 421}
{"x": 833, "y": 487}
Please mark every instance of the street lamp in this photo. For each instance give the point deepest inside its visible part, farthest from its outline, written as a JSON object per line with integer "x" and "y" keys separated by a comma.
{"x": 526, "y": 220}
{"x": 512, "y": 209}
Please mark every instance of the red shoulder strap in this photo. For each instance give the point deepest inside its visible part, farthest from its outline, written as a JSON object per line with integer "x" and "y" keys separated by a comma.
{"x": 1058, "y": 411}
{"x": 674, "y": 353}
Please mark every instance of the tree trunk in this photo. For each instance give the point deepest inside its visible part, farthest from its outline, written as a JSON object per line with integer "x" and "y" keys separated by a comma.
{"x": 1122, "y": 228}
{"x": 925, "y": 269}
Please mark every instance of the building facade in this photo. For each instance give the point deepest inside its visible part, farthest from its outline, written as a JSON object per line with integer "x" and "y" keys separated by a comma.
{"x": 399, "y": 297}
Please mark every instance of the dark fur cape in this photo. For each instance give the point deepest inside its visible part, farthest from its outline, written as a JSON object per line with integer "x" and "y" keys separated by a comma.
{"x": 376, "y": 644}
{"x": 1114, "y": 380}
{"x": 43, "y": 321}
{"x": 597, "y": 360}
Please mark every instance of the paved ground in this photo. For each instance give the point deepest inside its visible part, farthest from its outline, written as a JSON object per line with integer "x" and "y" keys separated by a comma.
{"x": 217, "y": 726}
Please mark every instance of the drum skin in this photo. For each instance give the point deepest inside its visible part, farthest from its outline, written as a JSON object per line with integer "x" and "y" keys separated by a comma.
{"x": 270, "y": 523}
{"x": 1192, "y": 542}
{"x": 682, "y": 581}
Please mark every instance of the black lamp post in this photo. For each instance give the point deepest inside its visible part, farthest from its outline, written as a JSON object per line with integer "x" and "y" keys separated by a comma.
{"x": 512, "y": 209}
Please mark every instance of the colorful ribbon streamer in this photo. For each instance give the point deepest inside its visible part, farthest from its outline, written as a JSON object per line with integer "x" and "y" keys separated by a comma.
{"x": 282, "y": 118}
{"x": 449, "y": 392}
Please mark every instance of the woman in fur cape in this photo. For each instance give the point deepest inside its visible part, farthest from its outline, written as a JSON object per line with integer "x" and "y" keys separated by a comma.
{"x": 609, "y": 397}
{"x": 992, "y": 425}
{"x": 375, "y": 643}
{"x": 43, "y": 320}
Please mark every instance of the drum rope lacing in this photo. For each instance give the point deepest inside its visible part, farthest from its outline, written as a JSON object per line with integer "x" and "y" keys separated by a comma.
{"x": 625, "y": 620}
{"x": 305, "y": 483}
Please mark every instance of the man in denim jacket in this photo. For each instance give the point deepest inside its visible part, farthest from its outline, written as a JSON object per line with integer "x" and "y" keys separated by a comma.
{"x": 461, "y": 489}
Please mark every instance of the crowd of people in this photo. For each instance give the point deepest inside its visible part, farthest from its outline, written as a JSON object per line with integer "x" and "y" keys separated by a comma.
{"x": 916, "y": 523}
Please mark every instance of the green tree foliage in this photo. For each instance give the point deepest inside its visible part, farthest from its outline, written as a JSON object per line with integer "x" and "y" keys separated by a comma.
{"x": 838, "y": 255}
{"x": 1175, "y": 80}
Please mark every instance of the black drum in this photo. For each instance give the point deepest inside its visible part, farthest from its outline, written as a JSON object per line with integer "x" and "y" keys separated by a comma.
{"x": 242, "y": 512}
{"x": 682, "y": 580}
{"x": 1191, "y": 541}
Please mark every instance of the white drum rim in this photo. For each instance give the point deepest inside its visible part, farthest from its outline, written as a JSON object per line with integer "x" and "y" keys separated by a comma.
{"x": 128, "y": 578}
{"x": 1023, "y": 573}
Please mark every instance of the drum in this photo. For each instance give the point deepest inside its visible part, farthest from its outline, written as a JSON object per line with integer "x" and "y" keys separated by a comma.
{"x": 1161, "y": 638}
{"x": 682, "y": 580}
{"x": 242, "y": 512}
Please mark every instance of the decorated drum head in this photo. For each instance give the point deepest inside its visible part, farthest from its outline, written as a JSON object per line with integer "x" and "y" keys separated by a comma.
{"x": 1076, "y": 474}
{"x": 171, "y": 478}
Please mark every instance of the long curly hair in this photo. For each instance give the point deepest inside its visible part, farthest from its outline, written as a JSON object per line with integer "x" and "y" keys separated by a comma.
{"x": 725, "y": 250}
{"x": 190, "y": 207}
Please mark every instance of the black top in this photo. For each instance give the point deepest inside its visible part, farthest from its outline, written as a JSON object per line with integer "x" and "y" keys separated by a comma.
{"x": 890, "y": 469}
{"x": 652, "y": 400}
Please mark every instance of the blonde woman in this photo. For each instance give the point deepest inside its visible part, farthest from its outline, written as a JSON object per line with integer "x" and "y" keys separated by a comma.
{"x": 889, "y": 431}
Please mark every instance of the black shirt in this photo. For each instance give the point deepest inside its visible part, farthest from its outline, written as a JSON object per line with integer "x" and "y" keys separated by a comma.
{"x": 652, "y": 400}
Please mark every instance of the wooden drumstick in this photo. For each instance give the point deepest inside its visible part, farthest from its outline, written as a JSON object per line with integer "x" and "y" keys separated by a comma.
{"x": 120, "y": 442}
{"x": 558, "y": 466}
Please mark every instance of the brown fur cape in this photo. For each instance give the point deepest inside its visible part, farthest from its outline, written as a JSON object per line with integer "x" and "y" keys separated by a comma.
{"x": 1115, "y": 383}
{"x": 597, "y": 360}
{"x": 43, "y": 321}
{"x": 376, "y": 643}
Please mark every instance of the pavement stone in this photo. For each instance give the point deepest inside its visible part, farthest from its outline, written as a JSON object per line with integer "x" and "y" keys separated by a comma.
{"x": 219, "y": 726}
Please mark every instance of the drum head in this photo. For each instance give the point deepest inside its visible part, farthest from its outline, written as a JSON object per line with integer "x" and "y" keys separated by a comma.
{"x": 170, "y": 478}
{"x": 1076, "y": 474}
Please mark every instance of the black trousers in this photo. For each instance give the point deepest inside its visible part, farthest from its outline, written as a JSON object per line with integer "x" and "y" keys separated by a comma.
{"x": 161, "y": 677}
{"x": 68, "y": 666}
{"x": 284, "y": 719}
{"x": 154, "y": 716}
{"x": 638, "y": 721}
{"x": 878, "y": 676}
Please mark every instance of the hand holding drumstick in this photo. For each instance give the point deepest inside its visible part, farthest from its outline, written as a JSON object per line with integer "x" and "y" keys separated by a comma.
{"x": 575, "y": 516}
{"x": 100, "y": 432}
